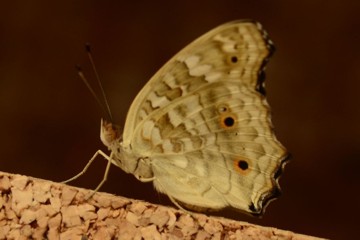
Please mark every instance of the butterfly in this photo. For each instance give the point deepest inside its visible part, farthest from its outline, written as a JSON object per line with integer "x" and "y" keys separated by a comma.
{"x": 200, "y": 129}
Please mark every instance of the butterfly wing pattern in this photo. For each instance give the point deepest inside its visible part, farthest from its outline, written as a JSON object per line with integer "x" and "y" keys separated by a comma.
{"x": 200, "y": 129}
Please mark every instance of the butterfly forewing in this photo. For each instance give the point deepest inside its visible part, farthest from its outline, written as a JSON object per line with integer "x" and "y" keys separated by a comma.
{"x": 233, "y": 51}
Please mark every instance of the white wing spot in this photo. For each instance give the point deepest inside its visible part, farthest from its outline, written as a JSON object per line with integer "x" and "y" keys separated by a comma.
{"x": 235, "y": 73}
{"x": 155, "y": 136}
{"x": 170, "y": 80}
{"x": 200, "y": 70}
{"x": 192, "y": 61}
{"x": 157, "y": 101}
{"x": 147, "y": 129}
{"x": 142, "y": 114}
{"x": 229, "y": 47}
{"x": 212, "y": 76}
{"x": 175, "y": 119}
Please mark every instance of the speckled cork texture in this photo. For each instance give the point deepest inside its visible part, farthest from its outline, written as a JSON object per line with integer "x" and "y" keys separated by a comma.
{"x": 32, "y": 208}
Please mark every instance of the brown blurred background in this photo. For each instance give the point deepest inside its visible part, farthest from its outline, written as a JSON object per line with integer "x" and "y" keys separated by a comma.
{"x": 49, "y": 122}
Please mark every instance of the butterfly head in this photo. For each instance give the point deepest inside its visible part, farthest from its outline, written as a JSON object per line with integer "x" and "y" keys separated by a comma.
{"x": 121, "y": 155}
{"x": 109, "y": 133}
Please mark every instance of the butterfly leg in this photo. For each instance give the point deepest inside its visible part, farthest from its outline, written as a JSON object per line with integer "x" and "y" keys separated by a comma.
{"x": 191, "y": 214}
{"x": 99, "y": 152}
{"x": 105, "y": 174}
{"x": 177, "y": 204}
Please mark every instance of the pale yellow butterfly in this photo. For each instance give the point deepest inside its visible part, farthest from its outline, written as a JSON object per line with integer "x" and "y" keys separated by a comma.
{"x": 200, "y": 129}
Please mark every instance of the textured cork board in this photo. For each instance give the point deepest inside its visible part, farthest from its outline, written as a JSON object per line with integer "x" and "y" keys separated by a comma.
{"x": 32, "y": 208}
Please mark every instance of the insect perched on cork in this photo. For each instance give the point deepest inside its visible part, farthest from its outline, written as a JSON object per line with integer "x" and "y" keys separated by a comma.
{"x": 200, "y": 129}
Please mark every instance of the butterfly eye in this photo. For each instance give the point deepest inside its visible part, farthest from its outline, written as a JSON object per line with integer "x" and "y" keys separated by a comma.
{"x": 241, "y": 166}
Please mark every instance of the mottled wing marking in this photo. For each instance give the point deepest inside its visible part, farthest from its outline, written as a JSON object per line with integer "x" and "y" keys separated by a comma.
{"x": 174, "y": 80}
{"x": 204, "y": 116}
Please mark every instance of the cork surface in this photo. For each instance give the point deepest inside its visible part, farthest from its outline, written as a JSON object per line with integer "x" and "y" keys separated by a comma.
{"x": 32, "y": 208}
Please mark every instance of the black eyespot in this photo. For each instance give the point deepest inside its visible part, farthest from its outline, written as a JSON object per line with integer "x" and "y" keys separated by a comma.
{"x": 229, "y": 122}
{"x": 234, "y": 59}
{"x": 243, "y": 165}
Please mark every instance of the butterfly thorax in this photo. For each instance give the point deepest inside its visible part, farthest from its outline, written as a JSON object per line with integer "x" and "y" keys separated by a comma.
{"x": 122, "y": 154}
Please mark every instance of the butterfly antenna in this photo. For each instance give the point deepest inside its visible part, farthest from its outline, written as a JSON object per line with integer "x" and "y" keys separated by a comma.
{"x": 83, "y": 78}
{"x": 108, "y": 112}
